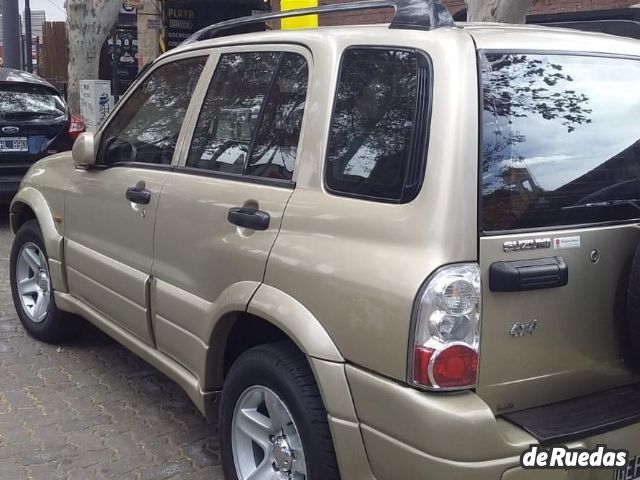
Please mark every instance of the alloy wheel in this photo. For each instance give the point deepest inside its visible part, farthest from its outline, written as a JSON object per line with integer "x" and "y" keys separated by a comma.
{"x": 33, "y": 282}
{"x": 265, "y": 441}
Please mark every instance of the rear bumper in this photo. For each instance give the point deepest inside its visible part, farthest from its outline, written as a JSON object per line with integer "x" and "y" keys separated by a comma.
{"x": 12, "y": 171}
{"x": 9, "y": 185}
{"x": 412, "y": 434}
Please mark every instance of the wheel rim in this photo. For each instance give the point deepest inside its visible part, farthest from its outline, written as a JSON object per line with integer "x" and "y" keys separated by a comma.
{"x": 33, "y": 282}
{"x": 265, "y": 441}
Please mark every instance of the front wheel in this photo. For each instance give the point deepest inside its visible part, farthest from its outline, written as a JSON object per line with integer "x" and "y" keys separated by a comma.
{"x": 273, "y": 424}
{"x": 32, "y": 290}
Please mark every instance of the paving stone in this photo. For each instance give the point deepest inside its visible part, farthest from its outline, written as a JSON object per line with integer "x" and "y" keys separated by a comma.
{"x": 90, "y": 409}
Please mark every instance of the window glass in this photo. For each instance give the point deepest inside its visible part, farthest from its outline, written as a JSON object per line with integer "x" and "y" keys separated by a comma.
{"x": 276, "y": 145}
{"x": 147, "y": 127}
{"x": 560, "y": 144}
{"x": 20, "y": 101}
{"x": 373, "y": 123}
{"x": 230, "y": 113}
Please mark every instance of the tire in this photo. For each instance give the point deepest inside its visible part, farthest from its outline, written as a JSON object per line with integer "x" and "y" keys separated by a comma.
{"x": 43, "y": 321}
{"x": 633, "y": 309}
{"x": 280, "y": 369}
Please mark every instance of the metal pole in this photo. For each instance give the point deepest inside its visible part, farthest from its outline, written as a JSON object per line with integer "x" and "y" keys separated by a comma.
{"x": 115, "y": 86}
{"x": 28, "y": 37}
{"x": 11, "y": 33}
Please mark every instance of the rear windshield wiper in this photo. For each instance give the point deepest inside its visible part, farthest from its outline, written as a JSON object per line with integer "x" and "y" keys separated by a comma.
{"x": 634, "y": 202}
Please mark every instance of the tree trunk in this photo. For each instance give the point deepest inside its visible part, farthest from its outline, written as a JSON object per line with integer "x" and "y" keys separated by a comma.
{"x": 505, "y": 11}
{"x": 89, "y": 23}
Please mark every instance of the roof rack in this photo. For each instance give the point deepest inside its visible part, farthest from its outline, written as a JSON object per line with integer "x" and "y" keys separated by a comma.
{"x": 409, "y": 14}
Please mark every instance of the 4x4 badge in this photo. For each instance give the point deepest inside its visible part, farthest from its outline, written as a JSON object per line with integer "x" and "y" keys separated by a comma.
{"x": 523, "y": 329}
{"x": 527, "y": 244}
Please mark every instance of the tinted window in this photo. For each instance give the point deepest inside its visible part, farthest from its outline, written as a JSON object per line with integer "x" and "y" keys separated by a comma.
{"x": 378, "y": 124}
{"x": 147, "y": 127}
{"x": 276, "y": 145}
{"x": 253, "y": 110}
{"x": 230, "y": 112}
{"x": 24, "y": 101}
{"x": 561, "y": 142}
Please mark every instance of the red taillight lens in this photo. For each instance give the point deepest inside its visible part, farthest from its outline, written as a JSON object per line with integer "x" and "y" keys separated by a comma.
{"x": 76, "y": 127}
{"x": 421, "y": 365}
{"x": 455, "y": 366}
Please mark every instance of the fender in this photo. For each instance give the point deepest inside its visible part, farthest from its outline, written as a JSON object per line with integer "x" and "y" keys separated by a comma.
{"x": 296, "y": 321}
{"x": 53, "y": 240}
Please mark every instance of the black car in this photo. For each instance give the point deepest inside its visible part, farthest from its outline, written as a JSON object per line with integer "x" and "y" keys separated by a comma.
{"x": 34, "y": 122}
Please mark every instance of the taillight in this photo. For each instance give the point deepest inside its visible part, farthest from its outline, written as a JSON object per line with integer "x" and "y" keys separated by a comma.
{"x": 76, "y": 127}
{"x": 446, "y": 339}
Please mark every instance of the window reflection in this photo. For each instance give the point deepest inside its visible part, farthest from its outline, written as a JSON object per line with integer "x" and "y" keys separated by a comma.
{"x": 276, "y": 146}
{"x": 230, "y": 112}
{"x": 147, "y": 127}
{"x": 25, "y": 101}
{"x": 370, "y": 140}
{"x": 559, "y": 133}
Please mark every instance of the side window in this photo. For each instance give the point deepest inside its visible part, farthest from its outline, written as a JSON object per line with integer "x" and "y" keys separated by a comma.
{"x": 276, "y": 144}
{"x": 252, "y": 115}
{"x": 147, "y": 126}
{"x": 377, "y": 143}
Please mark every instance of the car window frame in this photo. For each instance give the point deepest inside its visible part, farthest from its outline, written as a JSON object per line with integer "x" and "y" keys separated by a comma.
{"x": 300, "y": 49}
{"x": 422, "y": 142}
{"x": 207, "y": 55}
{"x": 480, "y": 53}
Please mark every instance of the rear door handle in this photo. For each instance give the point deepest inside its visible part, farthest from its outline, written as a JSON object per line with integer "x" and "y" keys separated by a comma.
{"x": 523, "y": 275}
{"x": 139, "y": 194}
{"x": 250, "y": 218}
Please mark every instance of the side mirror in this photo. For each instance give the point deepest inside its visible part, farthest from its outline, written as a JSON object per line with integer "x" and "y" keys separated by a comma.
{"x": 84, "y": 152}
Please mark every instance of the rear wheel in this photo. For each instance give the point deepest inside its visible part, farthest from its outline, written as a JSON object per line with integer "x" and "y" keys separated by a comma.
{"x": 32, "y": 290}
{"x": 273, "y": 424}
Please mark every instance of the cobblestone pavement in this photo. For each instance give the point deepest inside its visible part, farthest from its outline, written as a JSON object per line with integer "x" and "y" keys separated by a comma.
{"x": 89, "y": 409}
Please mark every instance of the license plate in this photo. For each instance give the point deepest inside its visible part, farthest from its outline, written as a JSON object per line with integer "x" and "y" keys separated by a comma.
{"x": 631, "y": 471}
{"x": 12, "y": 145}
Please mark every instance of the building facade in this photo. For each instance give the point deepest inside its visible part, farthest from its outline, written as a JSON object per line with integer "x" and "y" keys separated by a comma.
{"x": 571, "y": 9}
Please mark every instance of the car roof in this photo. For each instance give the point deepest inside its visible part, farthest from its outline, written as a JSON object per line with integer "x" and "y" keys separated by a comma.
{"x": 497, "y": 36}
{"x": 487, "y": 36}
{"x": 10, "y": 75}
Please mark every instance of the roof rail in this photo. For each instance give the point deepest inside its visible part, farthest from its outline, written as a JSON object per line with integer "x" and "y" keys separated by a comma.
{"x": 409, "y": 14}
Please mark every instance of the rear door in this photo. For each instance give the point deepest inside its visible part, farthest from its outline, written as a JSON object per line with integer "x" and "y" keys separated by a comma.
{"x": 561, "y": 154}
{"x": 221, "y": 209}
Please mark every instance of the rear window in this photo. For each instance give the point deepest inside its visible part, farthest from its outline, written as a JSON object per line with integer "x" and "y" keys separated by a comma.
{"x": 18, "y": 100}
{"x": 560, "y": 141}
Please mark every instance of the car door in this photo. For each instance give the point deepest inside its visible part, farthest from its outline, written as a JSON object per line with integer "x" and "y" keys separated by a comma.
{"x": 221, "y": 209}
{"x": 558, "y": 224}
{"x": 110, "y": 209}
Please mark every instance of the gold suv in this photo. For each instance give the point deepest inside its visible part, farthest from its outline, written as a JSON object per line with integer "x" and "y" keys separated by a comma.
{"x": 378, "y": 252}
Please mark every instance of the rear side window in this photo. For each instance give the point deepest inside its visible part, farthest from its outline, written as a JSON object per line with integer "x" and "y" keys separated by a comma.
{"x": 560, "y": 142}
{"x": 377, "y": 144}
{"x": 23, "y": 101}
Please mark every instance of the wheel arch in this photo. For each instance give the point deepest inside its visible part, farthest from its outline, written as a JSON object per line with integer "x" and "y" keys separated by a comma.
{"x": 30, "y": 204}
{"x": 271, "y": 315}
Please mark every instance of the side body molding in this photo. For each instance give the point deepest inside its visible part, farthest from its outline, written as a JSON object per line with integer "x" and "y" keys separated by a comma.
{"x": 296, "y": 321}
{"x": 53, "y": 240}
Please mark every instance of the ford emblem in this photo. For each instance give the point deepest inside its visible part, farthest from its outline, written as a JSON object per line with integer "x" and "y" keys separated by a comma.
{"x": 10, "y": 130}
